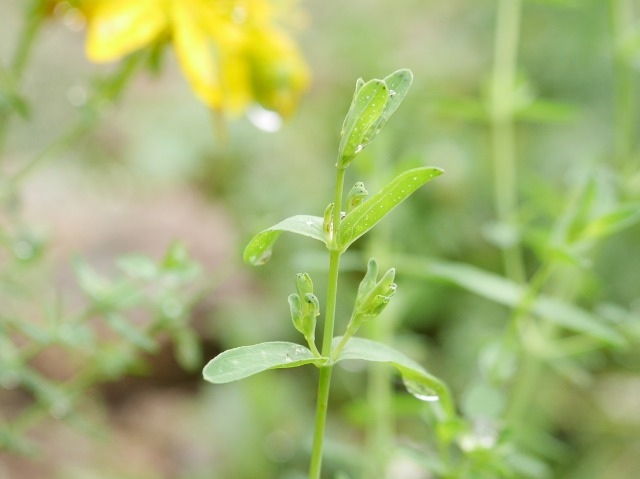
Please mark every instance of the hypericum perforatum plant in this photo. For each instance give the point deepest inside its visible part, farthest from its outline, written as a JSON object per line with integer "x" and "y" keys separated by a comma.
{"x": 372, "y": 105}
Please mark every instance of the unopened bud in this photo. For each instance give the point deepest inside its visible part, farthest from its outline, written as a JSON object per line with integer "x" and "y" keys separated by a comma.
{"x": 356, "y": 196}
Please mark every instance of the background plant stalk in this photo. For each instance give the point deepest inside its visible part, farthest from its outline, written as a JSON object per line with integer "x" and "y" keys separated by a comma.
{"x": 502, "y": 130}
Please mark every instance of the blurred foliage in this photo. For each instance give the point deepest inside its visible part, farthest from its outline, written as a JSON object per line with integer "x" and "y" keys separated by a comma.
{"x": 542, "y": 360}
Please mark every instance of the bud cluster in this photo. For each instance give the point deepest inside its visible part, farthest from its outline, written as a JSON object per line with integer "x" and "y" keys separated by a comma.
{"x": 305, "y": 308}
{"x": 373, "y": 295}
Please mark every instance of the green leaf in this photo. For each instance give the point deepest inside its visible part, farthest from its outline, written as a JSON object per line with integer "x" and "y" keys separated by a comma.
{"x": 245, "y": 361}
{"x": 366, "y": 107}
{"x": 259, "y": 249}
{"x": 398, "y": 83}
{"x": 365, "y": 216}
{"x": 417, "y": 380}
{"x": 509, "y": 293}
{"x": 612, "y": 222}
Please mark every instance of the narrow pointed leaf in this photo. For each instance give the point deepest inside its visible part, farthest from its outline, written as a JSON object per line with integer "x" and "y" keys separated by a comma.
{"x": 367, "y": 106}
{"x": 412, "y": 373}
{"x": 613, "y": 222}
{"x": 365, "y": 216}
{"x": 506, "y": 292}
{"x": 245, "y": 361}
{"x": 258, "y": 251}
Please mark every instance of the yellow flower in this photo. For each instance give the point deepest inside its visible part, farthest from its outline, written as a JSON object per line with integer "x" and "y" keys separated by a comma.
{"x": 231, "y": 51}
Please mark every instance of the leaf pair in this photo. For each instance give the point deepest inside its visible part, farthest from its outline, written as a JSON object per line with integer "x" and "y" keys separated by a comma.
{"x": 359, "y": 220}
{"x": 373, "y": 104}
{"x": 240, "y": 363}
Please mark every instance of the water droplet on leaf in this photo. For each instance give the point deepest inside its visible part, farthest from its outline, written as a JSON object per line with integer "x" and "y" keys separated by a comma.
{"x": 60, "y": 408}
{"x": 420, "y": 391}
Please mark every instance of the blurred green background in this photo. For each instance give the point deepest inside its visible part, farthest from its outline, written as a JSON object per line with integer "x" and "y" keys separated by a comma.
{"x": 155, "y": 169}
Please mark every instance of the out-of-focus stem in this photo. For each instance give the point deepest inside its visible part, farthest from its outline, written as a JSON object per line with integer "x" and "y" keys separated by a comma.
{"x": 622, "y": 28}
{"x": 502, "y": 130}
{"x": 11, "y": 75}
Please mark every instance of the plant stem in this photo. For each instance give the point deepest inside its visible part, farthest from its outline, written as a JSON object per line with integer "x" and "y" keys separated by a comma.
{"x": 324, "y": 383}
{"x": 502, "y": 129}
{"x": 34, "y": 15}
{"x": 108, "y": 90}
{"x": 622, "y": 29}
{"x": 321, "y": 417}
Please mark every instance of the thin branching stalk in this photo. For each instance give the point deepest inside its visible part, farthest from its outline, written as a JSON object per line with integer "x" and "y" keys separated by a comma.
{"x": 15, "y": 70}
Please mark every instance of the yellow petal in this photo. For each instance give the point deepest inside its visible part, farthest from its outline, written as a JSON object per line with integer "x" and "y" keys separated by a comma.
{"x": 280, "y": 74}
{"x": 119, "y": 27}
{"x": 214, "y": 67}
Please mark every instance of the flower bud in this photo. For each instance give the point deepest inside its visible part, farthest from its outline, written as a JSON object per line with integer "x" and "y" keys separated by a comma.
{"x": 304, "y": 284}
{"x": 296, "y": 312}
{"x": 356, "y": 196}
{"x": 327, "y": 224}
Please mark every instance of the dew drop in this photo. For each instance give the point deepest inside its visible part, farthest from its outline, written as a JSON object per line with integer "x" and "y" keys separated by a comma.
{"x": 309, "y": 222}
{"x": 262, "y": 259}
{"x": 23, "y": 250}
{"x": 287, "y": 359}
{"x": 60, "y": 408}
{"x": 359, "y": 149}
{"x": 239, "y": 15}
{"x": 392, "y": 93}
{"x": 74, "y": 20}
{"x": 343, "y": 215}
{"x": 420, "y": 391}
{"x": 172, "y": 308}
{"x": 265, "y": 120}
{"x": 77, "y": 95}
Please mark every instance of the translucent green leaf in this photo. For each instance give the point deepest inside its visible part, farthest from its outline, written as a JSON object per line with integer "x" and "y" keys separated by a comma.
{"x": 365, "y": 110}
{"x": 398, "y": 83}
{"x": 365, "y": 216}
{"x": 509, "y": 293}
{"x": 245, "y": 361}
{"x": 418, "y": 381}
{"x": 259, "y": 249}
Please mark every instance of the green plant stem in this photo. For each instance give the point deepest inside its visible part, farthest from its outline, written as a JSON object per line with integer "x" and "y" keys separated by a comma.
{"x": 324, "y": 382}
{"x": 34, "y": 15}
{"x": 109, "y": 90}
{"x": 502, "y": 129}
{"x": 622, "y": 21}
